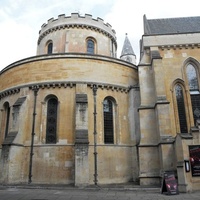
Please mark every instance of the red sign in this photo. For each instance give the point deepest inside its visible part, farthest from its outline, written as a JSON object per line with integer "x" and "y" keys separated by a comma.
{"x": 169, "y": 185}
{"x": 195, "y": 159}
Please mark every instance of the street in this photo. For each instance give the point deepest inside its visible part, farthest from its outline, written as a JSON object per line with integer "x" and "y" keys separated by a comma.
{"x": 15, "y": 193}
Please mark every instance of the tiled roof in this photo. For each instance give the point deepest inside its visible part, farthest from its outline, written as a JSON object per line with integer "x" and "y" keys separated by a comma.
{"x": 171, "y": 25}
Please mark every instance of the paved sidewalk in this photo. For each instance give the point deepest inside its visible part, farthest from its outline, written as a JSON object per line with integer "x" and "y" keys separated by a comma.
{"x": 17, "y": 193}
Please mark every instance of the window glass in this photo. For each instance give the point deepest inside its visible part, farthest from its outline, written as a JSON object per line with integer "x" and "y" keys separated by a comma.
{"x": 108, "y": 122}
{"x": 181, "y": 109}
{"x": 50, "y": 48}
{"x": 194, "y": 91}
{"x": 7, "y": 117}
{"x": 90, "y": 46}
{"x": 192, "y": 77}
{"x": 51, "y": 121}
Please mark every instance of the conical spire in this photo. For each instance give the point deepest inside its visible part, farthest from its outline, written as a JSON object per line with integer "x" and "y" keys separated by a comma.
{"x": 127, "y": 51}
{"x": 127, "y": 47}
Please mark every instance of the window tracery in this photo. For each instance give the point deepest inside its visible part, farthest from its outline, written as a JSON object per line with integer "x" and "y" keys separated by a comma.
{"x": 181, "y": 108}
{"x": 192, "y": 79}
{"x": 51, "y": 125}
{"x": 108, "y": 105}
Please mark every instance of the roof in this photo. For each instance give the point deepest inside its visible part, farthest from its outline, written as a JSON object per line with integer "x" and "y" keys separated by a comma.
{"x": 171, "y": 25}
{"x": 127, "y": 47}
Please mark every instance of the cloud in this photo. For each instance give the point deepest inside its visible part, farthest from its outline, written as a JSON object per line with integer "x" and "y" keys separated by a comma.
{"x": 20, "y": 20}
{"x": 16, "y": 40}
{"x": 124, "y": 20}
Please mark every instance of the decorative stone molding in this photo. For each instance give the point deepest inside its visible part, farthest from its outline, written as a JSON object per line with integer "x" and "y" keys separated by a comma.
{"x": 111, "y": 87}
{"x": 9, "y": 92}
{"x": 179, "y": 46}
{"x": 48, "y": 85}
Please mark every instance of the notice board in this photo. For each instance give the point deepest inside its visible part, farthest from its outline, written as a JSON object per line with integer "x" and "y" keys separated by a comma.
{"x": 195, "y": 159}
{"x": 169, "y": 185}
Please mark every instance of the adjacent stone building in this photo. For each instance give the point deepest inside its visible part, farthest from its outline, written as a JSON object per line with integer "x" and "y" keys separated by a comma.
{"x": 170, "y": 101}
{"x": 76, "y": 114}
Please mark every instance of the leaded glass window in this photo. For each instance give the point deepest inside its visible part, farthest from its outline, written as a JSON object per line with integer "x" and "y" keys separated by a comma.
{"x": 50, "y": 48}
{"x": 194, "y": 90}
{"x": 7, "y": 118}
{"x": 108, "y": 121}
{"x": 51, "y": 121}
{"x": 90, "y": 46}
{"x": 181, "y": 109}
{"x": 192, "y": 77}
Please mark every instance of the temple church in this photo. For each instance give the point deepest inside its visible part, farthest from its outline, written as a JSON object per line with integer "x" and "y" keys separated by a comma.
{"x": 76, "y": 114}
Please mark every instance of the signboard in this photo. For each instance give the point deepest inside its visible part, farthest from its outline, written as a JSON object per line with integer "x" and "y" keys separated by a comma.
{"x": 195, "y": 159}
{"x": 169, "y": 185}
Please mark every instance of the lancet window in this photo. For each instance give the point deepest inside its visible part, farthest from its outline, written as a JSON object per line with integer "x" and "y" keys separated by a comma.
{"x": 181, "y": 108}
{"x": 193, "y": 84}
{"x": 90, "y": 46}
{"x": 108, "y": 108}
{"x": 52, "y": 106}
{"x": 50, "y": 47}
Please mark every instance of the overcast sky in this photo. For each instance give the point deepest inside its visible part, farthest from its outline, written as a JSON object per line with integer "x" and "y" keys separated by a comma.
{"x": 21, "y": 20}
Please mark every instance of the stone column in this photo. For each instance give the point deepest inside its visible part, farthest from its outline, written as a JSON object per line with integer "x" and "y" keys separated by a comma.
{"x": 162, "y": 113}
{"x": 81, "y": 137}
{"x": 134, "y": 101}
{"x": 149, "y": 163}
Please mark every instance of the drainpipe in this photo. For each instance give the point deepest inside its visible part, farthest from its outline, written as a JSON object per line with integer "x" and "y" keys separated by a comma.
{"x": 95, "y": 135}
{"x": 35, "y": 90}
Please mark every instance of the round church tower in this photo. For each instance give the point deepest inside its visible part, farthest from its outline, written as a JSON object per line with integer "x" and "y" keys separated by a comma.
{"x": 69, "y": 114}
{"x": 77, "y": 34}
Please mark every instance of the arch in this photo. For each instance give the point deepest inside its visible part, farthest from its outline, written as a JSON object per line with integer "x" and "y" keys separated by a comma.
{"x": 49, "y": 46}
{"x": 190, "y": 60}
{"x": 51, "y": 120}
{"x": 109, "y": 104}
{"x": 91, "y": 45}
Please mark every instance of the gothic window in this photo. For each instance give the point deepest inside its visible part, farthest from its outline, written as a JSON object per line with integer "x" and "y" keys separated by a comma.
{"x": 181, "y": 109}
{"x": 90, "y": 46}
{"x": 192, "y": 78}
{"x": 52, "y": 106}
{"x": 108, "y": 121}
{"x": 50, "y": 47}
{"x": 194, "y": 90}
{"x": 7, "y": 118}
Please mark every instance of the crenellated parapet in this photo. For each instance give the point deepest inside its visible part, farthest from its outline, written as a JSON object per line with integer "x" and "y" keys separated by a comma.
{"x": 77, "y": 21}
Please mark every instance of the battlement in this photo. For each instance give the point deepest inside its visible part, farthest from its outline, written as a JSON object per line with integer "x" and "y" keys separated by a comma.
{"x": 76, "y": 20}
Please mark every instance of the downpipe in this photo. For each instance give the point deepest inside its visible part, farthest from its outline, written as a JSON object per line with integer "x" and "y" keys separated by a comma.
{"x": 35, "y": 90}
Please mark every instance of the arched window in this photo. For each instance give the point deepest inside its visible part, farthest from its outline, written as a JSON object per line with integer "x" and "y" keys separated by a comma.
{"x": 52, "y": 106}
{"x": 181, "y": 109}
{"x": 194, "y": 90}
{"x": 192, "y": 78}
{"x": 7, "y": 118}
{"x": 90, "y": 46}
{"x": 50, "y": 47}
{"x": 108, "y": 121}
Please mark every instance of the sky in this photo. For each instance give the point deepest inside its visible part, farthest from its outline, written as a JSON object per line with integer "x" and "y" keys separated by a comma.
{"x": 21, "y": 20}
